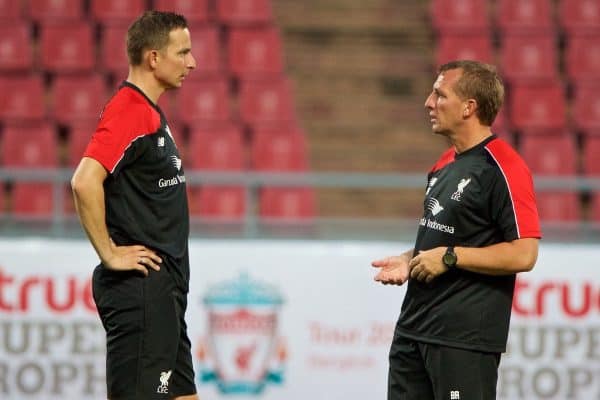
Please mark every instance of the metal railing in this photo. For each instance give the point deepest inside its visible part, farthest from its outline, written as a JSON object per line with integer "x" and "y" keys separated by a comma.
{"x": 61, "y": 224}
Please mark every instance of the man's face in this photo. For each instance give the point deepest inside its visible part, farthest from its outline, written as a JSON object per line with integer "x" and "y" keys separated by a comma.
{"x": 175, "y": 60}
{"x": 445, "y": 107}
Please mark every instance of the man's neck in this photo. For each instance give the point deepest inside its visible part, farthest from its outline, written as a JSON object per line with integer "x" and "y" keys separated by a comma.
{"x": 470, "y": 138}
{"x": 146, "y": 82}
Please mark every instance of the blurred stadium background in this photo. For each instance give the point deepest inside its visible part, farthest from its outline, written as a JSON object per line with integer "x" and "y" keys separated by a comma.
{"x": 303, "y": 118}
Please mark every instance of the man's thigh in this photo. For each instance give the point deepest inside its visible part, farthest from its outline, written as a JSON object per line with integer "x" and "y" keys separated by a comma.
{"x": 407, "y": 378}
{"x": 459, "y": 374}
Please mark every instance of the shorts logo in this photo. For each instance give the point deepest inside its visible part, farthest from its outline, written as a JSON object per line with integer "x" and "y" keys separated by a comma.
{"x": 454, "y": 395}
{"x": 242, "y": 352}
{"x": 161, "y": 141}
{"x": 164, "y": 382}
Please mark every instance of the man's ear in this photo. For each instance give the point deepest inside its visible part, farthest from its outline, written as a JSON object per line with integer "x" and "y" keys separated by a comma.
{"x": 152, "y": 58}
{"x": 469, "y": 108}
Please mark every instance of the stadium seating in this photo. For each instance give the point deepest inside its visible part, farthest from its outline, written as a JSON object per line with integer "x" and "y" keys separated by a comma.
{"x": 287, "y": 203}
{"x": 582, "y": 58}
{"x": 550, "y": 154}
{"x": 22, "y": 98}
{"x": 236, "y": 12}
{"x": 77, "y": 97}
{"x": 451, "y": 47}
{"x": 585, "y": 110}
{"x": 32, "y": 200}
{"x": 113, "y": 51}
{"x": 463, "y": 16}
{"x": 53, "y": 10}
{"x": 537, "y": 107}
{"x": 10, "y": 10}
{"x": 32, "y": 145}
{"x": 195, "y": 11}
{"x": 113, "y": 12}
{"x": 206, "y": 48}
{"x": 266, "y": 101}
{"x": 67, "y": 48}
{"x": 223, "y": 203}
{"x": 279, "y": 148}
{"x": 553, "y": 155}
{"x": 591, "y": 161}
{"x": 203, "y": 101}
{"x": 217, "y": 147}
{"x": 558, "y": 206}
{"x": 15, "y": 47}
{"x": 528, "y": 57}
{"x": 80, "y": 134}
{"x": 254, "y": 52}
{"x": 525, "y": 16}
{"x": 579, "y": 16}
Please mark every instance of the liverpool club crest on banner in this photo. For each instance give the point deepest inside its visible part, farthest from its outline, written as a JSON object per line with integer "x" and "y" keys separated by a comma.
{"x": 242, "y": 351}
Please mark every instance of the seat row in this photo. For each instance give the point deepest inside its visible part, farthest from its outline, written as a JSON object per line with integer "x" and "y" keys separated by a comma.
{"x": 115, "y": 12}
{"x": 69, "y": 99}
{"x": 574, "y": 17}
{"x": 246, "y": 52}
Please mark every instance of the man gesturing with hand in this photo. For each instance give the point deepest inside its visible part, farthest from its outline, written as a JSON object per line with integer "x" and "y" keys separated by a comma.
{"x": 480, "y": 227}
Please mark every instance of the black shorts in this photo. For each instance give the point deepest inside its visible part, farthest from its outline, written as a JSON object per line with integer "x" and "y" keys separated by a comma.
{"x": 148, "y": 352}
{"x": 423, "y": 371}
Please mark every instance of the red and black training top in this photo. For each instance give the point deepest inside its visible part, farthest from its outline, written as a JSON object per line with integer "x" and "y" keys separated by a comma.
{"x": 476, "y": 198}
{"x": 145, "y": 192}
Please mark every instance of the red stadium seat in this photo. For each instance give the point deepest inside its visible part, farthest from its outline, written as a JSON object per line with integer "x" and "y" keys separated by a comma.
{"x": 266, "y": 101}
{"x": 537, "y": 107}
{"x": 22, "y": 98}
{"x": 464, "y": 47}
{"x": 460, "y": 16}
{"x": 287, "y": 203}
{"x": 255, "y": 52}
{"x": 80, "y": 134}
{"x": 550, "y": 155}
{"x": 553, "y": 155}
{"x": 582, "y": 58}
{"x": 205, "y": 100}
{"x": 527, "y": 16}
{"x": 53, "y": 10}
{"x": 32, "y": 200}
{"x": 501, "y": 124}
{"x": 528, "y": 57}
{"x": 10, "y": 10}
{"x": 277, "y": 148}
{"x": 585, "y": 110}
{"x": 595, "y": 207}
{"x": 558, "y": 206}
{"x": 216, "y": 148}
{"x": 244, "y": 11}
{"x": 30, "y": 145}
{"x": 67, "y": 48}
{"x": 78, "y": 97}
{"x": 206, "y": 49}
{"x": 113, "y": 51}
{"x": 15, "y": 47}
{"x": 193, "y": 10}
{"x": 224, "y": 203}
{"x": 591, "y": 161}
{"x": 109, "y": 12}
{"x": 579, "y": 16}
